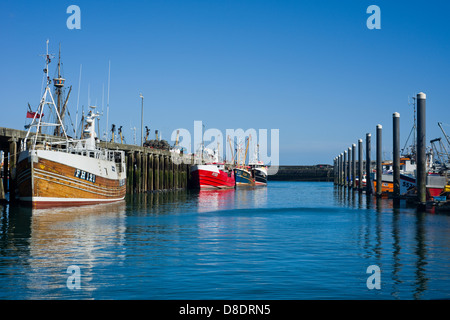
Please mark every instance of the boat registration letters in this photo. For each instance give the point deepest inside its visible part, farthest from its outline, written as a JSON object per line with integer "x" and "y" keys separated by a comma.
{"x": 84, "y": 175}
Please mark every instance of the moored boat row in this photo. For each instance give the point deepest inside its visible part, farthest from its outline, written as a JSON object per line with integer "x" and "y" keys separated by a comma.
{"x": 216, "y": 174}
{"x": 222, "y": 175}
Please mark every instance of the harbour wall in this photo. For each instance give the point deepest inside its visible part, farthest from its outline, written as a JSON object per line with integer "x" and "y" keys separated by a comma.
{"x": 321, "y": 172}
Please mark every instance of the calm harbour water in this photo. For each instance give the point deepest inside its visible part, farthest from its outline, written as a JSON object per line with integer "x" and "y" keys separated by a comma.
{"x": 291, "y": 240}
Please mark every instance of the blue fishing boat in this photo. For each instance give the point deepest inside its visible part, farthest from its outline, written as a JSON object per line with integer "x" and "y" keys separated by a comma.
{"x": 244, "y": 177}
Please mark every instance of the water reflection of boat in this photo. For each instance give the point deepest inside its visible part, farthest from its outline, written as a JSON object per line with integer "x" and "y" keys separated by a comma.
{"x": 213, "y": 200}
{"x": 85, "y": 236}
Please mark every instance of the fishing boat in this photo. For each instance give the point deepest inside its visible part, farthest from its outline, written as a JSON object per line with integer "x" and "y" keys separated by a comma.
{"x": 407, "y": 172}
{"x": 57, "y": 170}
{"x": 213, "y": 174}
{"x": 435, "y": 182}
{"x": 244, "y": 174}
{"x": 259, "y": 169}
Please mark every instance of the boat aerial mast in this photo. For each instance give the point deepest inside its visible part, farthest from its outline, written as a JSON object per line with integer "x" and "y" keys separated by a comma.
{"x": 39, "y": 114}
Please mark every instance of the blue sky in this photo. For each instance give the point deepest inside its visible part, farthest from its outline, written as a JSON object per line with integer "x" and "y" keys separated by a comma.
{"x": 311, "y": 69}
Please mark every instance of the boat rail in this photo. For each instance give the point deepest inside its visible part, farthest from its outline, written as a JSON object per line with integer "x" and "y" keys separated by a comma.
{"x": 79, "y": 146}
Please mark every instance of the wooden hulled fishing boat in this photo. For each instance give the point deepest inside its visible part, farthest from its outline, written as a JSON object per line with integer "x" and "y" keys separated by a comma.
{"x": 61, "y": 171}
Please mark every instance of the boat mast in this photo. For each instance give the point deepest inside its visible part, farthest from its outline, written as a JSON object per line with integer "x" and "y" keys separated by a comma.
{"x": 59, "y": 85}
{"x": 246, "y": 150}
{"x": 40, "y": 112}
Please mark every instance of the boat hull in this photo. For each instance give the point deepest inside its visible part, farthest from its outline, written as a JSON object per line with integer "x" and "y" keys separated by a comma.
{"x": 211, "y": 177}
{"x": 260, "y": 177}
{"x": 244, "y": 178}
{"x": 46, "y": 179}
{"x": 435, "y": 184}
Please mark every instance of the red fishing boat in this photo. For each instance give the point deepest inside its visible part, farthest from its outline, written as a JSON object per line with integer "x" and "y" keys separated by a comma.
{"x": 212, "y": 176}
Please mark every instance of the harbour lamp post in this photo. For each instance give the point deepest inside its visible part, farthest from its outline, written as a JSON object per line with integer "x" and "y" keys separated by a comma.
{"x": 142, "y": 118}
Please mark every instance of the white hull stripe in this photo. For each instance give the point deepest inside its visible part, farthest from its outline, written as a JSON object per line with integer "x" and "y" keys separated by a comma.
{"x": 53, "y": 199}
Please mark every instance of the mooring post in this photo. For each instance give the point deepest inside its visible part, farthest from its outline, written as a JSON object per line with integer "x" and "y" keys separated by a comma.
{"x": 379, "y": 177}
{"x": 345, "y": 168}
{"x": 335, "y": 170}
{"x": 338, "y": 166}
{"x": 368, "y": 164}
{"x": 360, "y": 165}
{"x": 341, "y": 178}
{"x": 350, "y": 178}
{"x": 421, "y": 178}
{"x": 354, "y": 166}
{"x": 396, "y": 155}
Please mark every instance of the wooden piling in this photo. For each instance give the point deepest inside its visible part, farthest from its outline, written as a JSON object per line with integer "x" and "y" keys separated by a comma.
{"x": 162, "y": 181}
{"x": 150, "y": 172}
{"x": 2, "y": 187}
{"x": 156, "y": 172}
{"x": 138, "y": 172}
{"x": 5, "y": 170}
{"x": 170, "y": 164}
{"x": 130, "y": 169}
{"x": 174, "y": 163}
{"x": 166, "y": 173}
{"x": 12, "y": 168}
{"x": 145, "y": 170}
